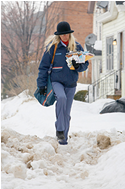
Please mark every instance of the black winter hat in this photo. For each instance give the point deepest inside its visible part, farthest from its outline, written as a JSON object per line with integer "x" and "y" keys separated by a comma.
{"x": 63, "y": 28}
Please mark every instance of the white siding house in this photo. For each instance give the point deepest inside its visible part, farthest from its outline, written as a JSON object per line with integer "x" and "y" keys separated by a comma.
{"x": 112, "y": 75}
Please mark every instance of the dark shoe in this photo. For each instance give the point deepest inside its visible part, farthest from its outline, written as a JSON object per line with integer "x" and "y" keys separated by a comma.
{"x": 63, "y": 142}
{"x": 60, "y": 135}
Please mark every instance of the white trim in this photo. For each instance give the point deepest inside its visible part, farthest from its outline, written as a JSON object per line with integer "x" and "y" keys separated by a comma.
{"x": 123, "y": 50}
{"x": 123, "y": 83}
{"x": 105, "y": 57}
{"x": 96, "y": 58}
{"x": 121, "y": 8}
{"x": 121, "y": 30}
{"x": 118, "y": 50}
{"x": 118, "y": 33}
{"x": 110, "y": 15}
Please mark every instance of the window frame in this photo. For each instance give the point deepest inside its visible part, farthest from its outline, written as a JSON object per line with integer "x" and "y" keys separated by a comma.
{"x": 109, "y": 53}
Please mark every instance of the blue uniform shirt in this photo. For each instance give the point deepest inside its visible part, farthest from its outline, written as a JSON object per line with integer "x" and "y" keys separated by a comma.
{"x": 60, "y": 71}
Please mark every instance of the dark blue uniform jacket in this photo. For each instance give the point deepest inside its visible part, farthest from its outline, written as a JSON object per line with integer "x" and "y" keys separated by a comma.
{"x": 60, "y": 71}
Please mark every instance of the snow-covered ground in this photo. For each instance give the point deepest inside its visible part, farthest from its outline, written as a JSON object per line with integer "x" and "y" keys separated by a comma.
{"x": 32, "y": 158}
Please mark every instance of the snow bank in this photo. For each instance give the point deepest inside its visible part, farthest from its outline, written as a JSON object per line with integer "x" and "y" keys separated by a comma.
{"x": 81, "y": 162}
{"x": 26, "y": 116}
{"x": 98, "y": 45}
{"x": 11, "y": 106}
{"x": 32, "y": 158}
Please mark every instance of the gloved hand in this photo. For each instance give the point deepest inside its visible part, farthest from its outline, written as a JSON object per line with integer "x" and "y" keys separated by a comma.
{"x": 43, "y": 91}
{"x": 75, "y": 65}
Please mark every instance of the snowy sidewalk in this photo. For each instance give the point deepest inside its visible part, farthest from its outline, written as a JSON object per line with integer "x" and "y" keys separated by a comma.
{"x": 32, "y": 158}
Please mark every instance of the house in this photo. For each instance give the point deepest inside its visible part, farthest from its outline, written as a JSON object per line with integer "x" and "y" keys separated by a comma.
{"x": 110, "y": 81}
{"x": 74, "y": 12}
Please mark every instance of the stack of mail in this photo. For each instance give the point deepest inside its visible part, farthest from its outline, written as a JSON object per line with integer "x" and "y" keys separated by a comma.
{"x": 78, "y": 56}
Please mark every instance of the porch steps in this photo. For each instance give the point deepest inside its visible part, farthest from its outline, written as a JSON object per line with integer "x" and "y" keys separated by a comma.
{"x": 103, "y": 87}
{"x": 116, "y": 96}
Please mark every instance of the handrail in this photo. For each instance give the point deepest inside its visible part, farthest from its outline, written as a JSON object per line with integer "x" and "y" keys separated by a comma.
{"x": 102, "y": 80}
{"x": 105, "y": 76}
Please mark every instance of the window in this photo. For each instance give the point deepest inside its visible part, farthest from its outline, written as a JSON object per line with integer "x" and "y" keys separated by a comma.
{"x": 109, "y": 53}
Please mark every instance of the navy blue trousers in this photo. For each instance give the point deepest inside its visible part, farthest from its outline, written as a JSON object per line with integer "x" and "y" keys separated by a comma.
{"x": 64, "y": 97}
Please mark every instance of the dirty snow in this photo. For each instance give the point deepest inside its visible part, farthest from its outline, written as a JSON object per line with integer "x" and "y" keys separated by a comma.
{"x": 32, "y": 158}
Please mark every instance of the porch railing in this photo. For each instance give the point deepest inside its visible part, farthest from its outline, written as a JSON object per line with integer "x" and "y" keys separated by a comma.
{"x": 104, "y": 86}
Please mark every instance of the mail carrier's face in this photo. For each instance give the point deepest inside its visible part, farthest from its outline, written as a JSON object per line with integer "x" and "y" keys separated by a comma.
{"x": 64, "y": 37}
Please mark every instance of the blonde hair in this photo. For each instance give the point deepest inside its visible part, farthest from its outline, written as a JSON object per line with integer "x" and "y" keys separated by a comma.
{"x": 53, "y": 39}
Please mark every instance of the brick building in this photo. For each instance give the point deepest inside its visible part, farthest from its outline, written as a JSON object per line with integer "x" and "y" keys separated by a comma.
{"x": 74, "y": 12}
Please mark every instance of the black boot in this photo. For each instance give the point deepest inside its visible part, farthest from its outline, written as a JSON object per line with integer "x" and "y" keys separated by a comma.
{"x": 60, "y": 135}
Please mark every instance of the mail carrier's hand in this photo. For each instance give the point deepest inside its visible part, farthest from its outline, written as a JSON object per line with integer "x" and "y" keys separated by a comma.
{"x": 43, "y": 91}
{"x": 75, "y": 65}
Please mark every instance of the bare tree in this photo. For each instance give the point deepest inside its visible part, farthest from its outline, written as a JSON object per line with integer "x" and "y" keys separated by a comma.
{"x": 23, "y": 28}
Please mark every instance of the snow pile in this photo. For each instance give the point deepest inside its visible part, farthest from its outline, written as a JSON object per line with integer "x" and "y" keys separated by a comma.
{"x": 98, "y": 45}
{"x": 32, "y": 158}
{"x": 11, "y": 106}
{"x": 28, "y": 158}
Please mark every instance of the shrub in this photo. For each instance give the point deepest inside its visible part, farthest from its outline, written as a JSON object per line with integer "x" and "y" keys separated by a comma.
{"x": 81, "y": 95}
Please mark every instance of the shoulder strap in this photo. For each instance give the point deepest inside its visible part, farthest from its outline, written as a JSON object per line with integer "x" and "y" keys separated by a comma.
{"x": 54, "y": 53}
